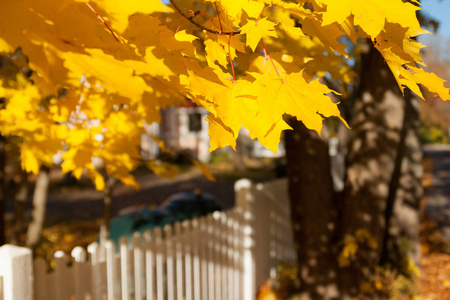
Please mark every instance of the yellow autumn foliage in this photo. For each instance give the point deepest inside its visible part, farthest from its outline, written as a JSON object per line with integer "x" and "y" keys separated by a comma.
{"x": 106, "y": 67}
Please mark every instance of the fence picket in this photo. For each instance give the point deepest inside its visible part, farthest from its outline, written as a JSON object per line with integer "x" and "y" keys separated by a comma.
{"x": 81, "y": 276}
{"x": 224, "y": 254}
{"x": 169, "y": 261}
{"x": 124, "y": 267}
{"x": 187, "y": 258}
{"x": 59, "y": 287}
{"x": 210, "y": 255}
{"x": 95, "y": 271}
{"x": 229, "y": 253}
{"x": 195, "y": 258}
{"x": 110, "y": 269}
{"x": 149, "y": 265}
{"x": 1, "y": 288}
{"x": 138, "y": 263}
{"x": 178, "y": 260}
{"x": 41, "y": 291}
{"x": 159, "y": 265}
{"x": 237, "y": 274}
{"x": 217, "y": 255}
{"x": 203, "y": 240}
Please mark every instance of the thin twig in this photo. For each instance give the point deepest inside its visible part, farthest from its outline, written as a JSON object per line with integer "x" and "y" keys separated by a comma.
{"x": 193, "y": 21}
{"x": 104, "y": 22}
{"x": 218, "y": 16}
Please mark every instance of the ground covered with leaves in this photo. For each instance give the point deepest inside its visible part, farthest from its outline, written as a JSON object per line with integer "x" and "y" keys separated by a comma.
{"x": 434, "y": 280}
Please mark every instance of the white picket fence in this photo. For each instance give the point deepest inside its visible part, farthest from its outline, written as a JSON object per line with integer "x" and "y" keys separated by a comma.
{"x": 223, "y": 256}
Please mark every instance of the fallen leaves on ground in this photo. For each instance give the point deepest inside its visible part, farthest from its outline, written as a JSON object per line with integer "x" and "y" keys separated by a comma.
{"x": 434, "y": 280}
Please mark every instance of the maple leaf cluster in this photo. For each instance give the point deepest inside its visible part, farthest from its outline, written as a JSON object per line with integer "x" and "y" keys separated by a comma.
{"x": 248, "y": 62}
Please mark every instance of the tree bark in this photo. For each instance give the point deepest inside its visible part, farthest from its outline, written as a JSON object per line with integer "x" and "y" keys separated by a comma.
{"x": 20, "y": 205}
{"x": 2, "y": 189}
{"x": 401, "y": 239}
{"x": 313, "y": 211}
{"x": 39, "y": 207}
{"x": 382, "y": 122}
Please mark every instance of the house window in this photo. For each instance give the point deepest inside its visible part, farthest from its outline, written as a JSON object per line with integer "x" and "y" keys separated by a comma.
{"x": 195, "y": 122}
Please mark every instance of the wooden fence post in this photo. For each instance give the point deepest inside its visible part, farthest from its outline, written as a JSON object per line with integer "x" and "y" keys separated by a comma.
{"x": 16, "y": 269}
{"x": 244, "y": 201}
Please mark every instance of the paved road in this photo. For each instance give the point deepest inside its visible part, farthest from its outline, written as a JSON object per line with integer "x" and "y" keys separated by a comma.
{"x": 438, "y": 193}
{"x": 87, "y": 204}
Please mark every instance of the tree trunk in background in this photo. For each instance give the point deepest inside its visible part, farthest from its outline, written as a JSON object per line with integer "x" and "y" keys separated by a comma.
{"x": 107, "y": 201}
{"x": 20, "y": 205}
{"x": 343, "y": 237}
{"x": 2, "y": 189}
{"x": 40, "y": 196}
{"x": 313, "y": 210}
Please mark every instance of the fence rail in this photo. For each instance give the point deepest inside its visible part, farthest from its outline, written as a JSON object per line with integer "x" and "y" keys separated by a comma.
{"x": 222, "y": 256}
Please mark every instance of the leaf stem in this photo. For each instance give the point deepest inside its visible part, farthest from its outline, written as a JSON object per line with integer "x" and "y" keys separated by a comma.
{"x": 270, "y": 58}
{"x": 179, "y": 25}
{"x": 263, "y": 10}
{"x": 104, "y": 22}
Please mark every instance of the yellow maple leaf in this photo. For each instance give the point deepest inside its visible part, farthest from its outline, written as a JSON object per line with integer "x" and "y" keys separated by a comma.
{"x": 220, "y": 134}
{"x": 327, "y": 34}
{"x": 75, "y": 160}
{"x": 29, "y": 161}
{"x": 119, "y": 11}
{"x": 4, "y": 46}
{"x": 232, "y": 8}
{"x": 259, "y": 107}
{"x": 256, "y": 30}
{"x": 371, "y": 15}
{"x": 215, "y": 52}
{"x": 96, "y": 177}
{"x": 307, "y": 101}
{"x": 411, "y": 76}
{"x": 252, "y": 8}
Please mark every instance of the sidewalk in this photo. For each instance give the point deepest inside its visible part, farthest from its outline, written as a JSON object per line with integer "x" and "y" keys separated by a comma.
{"x": 437, "y": 186}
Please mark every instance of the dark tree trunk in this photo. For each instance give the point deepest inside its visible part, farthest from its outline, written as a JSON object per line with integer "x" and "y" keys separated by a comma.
{"x": 374, "y": 173}
{"x": 378, "y": 208}
{"x": 375, "y": 137}
{"x": 39, "y": 207}
{"x": 313, "y": 210}
{"x": 2, "y": 189}
{"x": 401, "y": 239}
{"x": 20, "y": 205}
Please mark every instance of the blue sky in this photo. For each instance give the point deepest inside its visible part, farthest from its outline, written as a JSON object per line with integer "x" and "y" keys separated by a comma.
{"x": 440, "y": 10}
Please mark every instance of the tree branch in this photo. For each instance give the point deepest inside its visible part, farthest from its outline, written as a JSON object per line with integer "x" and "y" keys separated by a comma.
{"x": 191, "y": 19}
